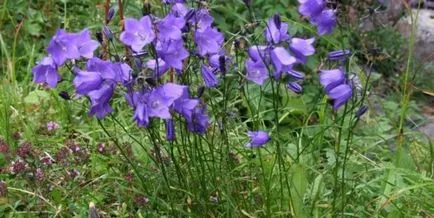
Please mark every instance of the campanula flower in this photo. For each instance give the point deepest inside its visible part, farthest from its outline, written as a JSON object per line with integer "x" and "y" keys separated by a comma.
{"x": 87, "y": 81}
{"x": 184, "y": 105}
{"x": 209, "y": 77}
{"x": 138, "y": 33}
{"x": 325, "y": 22}
{"x": 169, "y": 28}
{"x": 158, "y": 66}
{"x": 199, "y": 120}
{"x": 46, "y": 72}
{"x": 257, "y": 139}
{"x": 172, "y": 52}
{"x": 276, "y": 31}
{"x": 282, "y": 61}
{"x": 329, "y": 79}
{"x": 209, "y": 41}
{"x": 335, "y": 86}
{"x": 62, "y": 47}
{"x": 257, "y": 72}
{"x": 302, "y": 48}
{"x": 201, "y": 19}
{"x": 311, "y": 8}
{"x": 318, "y": 14}
{"x": 340, "y": 95}
{"x": 85, "y": 45}
{"x": 100, "y": 100}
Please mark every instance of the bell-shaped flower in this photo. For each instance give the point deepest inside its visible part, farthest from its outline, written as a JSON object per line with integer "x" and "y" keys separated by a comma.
{"x": 46, "y": 72}
{"x": 138, "y": 33}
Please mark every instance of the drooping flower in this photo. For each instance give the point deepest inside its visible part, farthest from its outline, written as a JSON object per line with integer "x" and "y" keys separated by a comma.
{"x": 325, "y": 22}
{"x": 318, "y": 14}
{"x": 340, "y": 95}
{"x": 158, "y": 66}
{"x": 85, "y": 45}
{"x": 199, "y": 120}
{"x": 201, "y": 19}
{"x": 172, "y": 52}
{"x": 138, "y": 33}
{"x": 209, "y": 41}
{"x": 62, "y": 47}
{"x": 311, "y": 8}
{"x": 335, "y": 86}
{"x": 154, "y": 103}
{"x": 282, "y": 61}
{"x": 87, "y": 81}
{"x": 100, "y": 100}
{"x": 209, "y": 77}
{"x": 46, "y": 72}
{"x": 257, "y": 139}
{"x": 184, "y": 105}
{"x": 302, "y": 48}
{"x": 276, "y": 31}
{"x": 169, "y": 28}
{"x": 257, "y": 72}
{"x": 329, "y": 79}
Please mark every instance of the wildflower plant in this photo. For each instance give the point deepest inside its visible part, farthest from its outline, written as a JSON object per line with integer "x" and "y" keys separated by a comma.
{"x": 188, "y": 87}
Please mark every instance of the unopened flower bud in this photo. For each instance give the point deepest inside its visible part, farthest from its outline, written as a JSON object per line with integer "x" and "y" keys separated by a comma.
{"x": 111, "y": 14}
{"x": 107, "y": 32}
{"x": 362, "y": 110}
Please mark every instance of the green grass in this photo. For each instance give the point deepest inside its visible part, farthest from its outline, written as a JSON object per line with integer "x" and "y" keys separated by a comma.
{"x": 317, "y": 164}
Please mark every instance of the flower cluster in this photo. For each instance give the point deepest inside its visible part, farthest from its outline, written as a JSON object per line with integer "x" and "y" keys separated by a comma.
{"x": 155, "y": 85}
{"x": 318, "y": 14}
{"x": 63, "y": 46}
{"x": 280, "y": 55}
{"x": 336, "y": 87}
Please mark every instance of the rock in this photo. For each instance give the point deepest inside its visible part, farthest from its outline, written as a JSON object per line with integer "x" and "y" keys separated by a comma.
{"x": 424, "y": 42}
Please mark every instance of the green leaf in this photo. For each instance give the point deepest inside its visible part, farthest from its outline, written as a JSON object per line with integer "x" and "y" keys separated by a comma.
{"x": 298, "y": 190}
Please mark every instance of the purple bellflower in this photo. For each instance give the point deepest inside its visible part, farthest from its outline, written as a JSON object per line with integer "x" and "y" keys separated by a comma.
{"x": 209, "y": 41}
{"x": 85, "y": 45}
{"x": 318, "y": 14}
{"x": 138, "y": 33}
{"x": 335, "y": 86}
{"x": 173, "y": 53}
{"x": 301, "y": 48}
{"x": 325, "y": 22}
{"x": 209, "y": 77}
{"x": 311, "y": 8}
{"x": 62, "y": 47}
{"x": 46, "y": 72}
{"x": 257, "y": 139}
{"x": 276, "y": 31}
{"x": 184, "y": 105}
{"x": 169, "y": 28}
{"x": 199, "y": 120}
{"x": 257, "y": 72}
{"x": 282, "y": 61}
{"x": 100, "y": 99}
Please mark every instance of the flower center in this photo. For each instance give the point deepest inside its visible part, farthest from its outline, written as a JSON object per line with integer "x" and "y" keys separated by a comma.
{"x": 155, "y": 104}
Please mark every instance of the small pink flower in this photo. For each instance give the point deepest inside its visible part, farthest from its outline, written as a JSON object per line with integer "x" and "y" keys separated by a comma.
{"x": 52, "y": 126}
{"x": 39, "y": 174}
